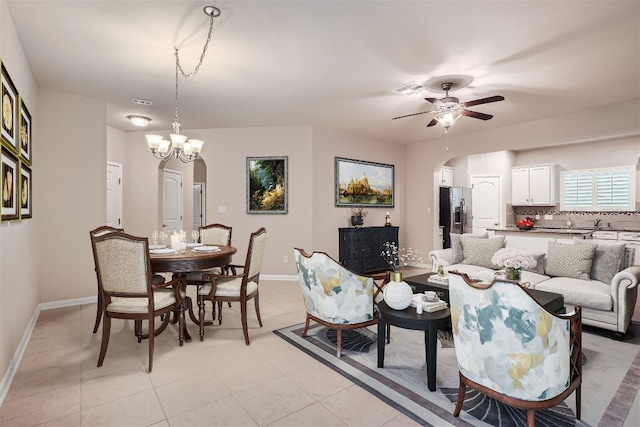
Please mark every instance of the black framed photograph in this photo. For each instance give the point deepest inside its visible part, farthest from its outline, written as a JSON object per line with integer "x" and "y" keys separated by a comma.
{"x": 362, "y": 183}
{"x": 9, "y": 116}
{"x": 9, "y": 167}
{"x": 25, "y": 132}
{"x": 25, "y": 191}
{"x": 267, "y": 186}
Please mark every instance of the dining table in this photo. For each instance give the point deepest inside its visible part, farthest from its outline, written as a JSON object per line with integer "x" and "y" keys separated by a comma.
{"x": 192, "y": 259}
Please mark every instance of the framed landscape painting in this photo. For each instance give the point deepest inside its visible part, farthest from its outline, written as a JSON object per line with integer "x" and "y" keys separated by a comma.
{"x": 361, "y": 183}
{"x": 267, "y": 186}
{"x": 9, "y": 167}
{"x": 9, "y": 116}
{"x": 25, "y": 191}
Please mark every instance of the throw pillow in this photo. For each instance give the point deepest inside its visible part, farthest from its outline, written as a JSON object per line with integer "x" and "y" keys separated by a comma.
{"x": 480, "y": 251}
{"x": 606, "y": 260}
{"x": 539, "y": 268}
{"x": 456, "y": 245}
{"x": 570, "y": 260}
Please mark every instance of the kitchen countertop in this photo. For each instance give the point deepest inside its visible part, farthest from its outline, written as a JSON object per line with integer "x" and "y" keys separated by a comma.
{"x": 543, "y": 230}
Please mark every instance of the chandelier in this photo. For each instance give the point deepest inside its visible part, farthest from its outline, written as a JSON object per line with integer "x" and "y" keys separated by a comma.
{"x": 180, "y": 146}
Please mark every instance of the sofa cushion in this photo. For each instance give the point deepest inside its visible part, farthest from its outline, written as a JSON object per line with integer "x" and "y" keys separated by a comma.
{"x": 480, "y": 251}
{"x": 593, "y": 294}
{"x": 456, "y": 245}
{"x": 570, "y": 260}
{"x": 606, "y": 260}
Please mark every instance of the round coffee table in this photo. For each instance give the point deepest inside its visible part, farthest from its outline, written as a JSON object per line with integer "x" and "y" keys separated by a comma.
{"x": 409, "y": 319}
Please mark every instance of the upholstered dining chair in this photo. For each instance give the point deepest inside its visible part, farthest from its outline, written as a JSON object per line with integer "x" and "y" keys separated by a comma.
{"x": 125, "y": 282}
{"x": 511, "y": 349}
{"x": 336, "y": 297}
{"x": 211, "y": 235}
{"x": 104, "y": 229}
{"x": 240, "y": 287}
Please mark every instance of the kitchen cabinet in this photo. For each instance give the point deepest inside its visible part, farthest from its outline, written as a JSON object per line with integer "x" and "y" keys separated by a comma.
{"x": 360, "y": 248}
{"x": 446, "y": 177}
{"x": 534, "y": 185}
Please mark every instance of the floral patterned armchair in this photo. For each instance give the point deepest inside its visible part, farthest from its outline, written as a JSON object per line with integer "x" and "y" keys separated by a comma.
{"x": 334, "y": 296}
{"x": 511, "y": 349}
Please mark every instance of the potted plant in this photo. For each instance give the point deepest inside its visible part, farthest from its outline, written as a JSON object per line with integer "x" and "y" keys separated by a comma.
{"x": 357, "y": 216}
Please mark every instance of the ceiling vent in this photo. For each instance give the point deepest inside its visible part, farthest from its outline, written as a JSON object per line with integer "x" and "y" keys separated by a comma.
{"x": 411, "y": 88}
{"x": 140, "y": 101}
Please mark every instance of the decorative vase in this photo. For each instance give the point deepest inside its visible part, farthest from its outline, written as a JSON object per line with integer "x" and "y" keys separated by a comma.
{"x": 513, "y": 274}
{"x": 357, "y": 221}
{"x": 397, "y": 293}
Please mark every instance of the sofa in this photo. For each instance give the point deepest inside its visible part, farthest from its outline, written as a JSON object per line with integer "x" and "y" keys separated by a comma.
{"x": 599, "y": 277}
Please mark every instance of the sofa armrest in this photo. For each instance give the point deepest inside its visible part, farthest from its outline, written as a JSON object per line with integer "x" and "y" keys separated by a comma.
{"x": 445, "y": 254}
{"x": 624, "y": 291}
{"x": 627, "y": 278}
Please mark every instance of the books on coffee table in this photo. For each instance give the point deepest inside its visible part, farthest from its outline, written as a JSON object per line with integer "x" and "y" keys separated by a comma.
{"x": 428, "y": 306}
{"x": 444, "y": 280}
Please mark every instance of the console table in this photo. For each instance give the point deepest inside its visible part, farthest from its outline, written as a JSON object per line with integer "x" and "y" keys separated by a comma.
{"x": 360, "y": 247}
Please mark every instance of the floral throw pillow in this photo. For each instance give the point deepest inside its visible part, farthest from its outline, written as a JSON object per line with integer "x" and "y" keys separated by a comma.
{"x": 570, "y": 260}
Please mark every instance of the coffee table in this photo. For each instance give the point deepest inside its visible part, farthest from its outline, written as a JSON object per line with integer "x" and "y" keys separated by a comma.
{"x": 550, "y": 301}
{"x": 409, "y": 319}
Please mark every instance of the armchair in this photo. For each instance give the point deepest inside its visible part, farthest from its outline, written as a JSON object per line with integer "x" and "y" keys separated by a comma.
{"x": 335, "y": 296}
{"x": 511, "y": 349}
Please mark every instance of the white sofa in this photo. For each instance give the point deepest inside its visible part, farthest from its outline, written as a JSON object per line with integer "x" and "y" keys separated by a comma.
{"x": 604, "y": 305}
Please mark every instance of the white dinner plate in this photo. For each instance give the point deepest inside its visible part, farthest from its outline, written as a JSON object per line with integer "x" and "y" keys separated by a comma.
{"x": 162, "y": 251}
{"x": 206, "y": 249}
{"x": 193, "y": 245}
{"x": 154, "y": 247}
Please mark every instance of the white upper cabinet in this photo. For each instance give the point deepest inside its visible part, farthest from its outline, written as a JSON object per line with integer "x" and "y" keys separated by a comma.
{"x": 533, "y": 185}
{"x": 446, "y": 177}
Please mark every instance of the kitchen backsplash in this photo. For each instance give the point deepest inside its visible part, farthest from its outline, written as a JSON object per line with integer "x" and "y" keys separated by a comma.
{"x": 608, "y": 220}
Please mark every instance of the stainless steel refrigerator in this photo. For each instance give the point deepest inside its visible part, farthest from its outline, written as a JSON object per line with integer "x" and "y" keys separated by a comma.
{"x": 455, "y": 212}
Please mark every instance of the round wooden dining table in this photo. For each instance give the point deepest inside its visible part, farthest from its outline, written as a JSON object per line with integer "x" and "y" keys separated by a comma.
{"x": 191, "y": 260}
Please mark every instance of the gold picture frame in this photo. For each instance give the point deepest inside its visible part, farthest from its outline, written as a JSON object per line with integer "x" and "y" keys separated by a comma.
{"x": 9, "y": 110}
{"x": 9, "y": 168}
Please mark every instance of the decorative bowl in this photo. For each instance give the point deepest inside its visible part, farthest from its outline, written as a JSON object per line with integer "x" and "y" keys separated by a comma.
{"x": 524, "y": 227}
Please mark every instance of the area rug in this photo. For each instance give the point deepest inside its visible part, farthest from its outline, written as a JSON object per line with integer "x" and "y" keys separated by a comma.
{"x": 611, "y": 380}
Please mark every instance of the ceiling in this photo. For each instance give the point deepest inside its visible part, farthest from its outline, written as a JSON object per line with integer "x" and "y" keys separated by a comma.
{"x": 334, "y": 63}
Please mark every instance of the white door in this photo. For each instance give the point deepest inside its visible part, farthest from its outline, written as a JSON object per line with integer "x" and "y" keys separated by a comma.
{"x": 114, "y": 194}
{"x": 486, "y": 202}
{"x": 172, "y": 200}
{"x": 198, "y": 205}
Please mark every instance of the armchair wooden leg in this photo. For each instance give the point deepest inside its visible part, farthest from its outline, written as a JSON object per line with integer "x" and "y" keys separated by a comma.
{"x": 461, "y": 392}
{"x": 578, "y": 401}
{"x": 152, "y": 338}
{"x": 98, "y": 313}
{"x": 531, "y": 418}
{"x": 257, "y": 304}
{"x": 243, "y": 315}
{"x": 306, "y": 326}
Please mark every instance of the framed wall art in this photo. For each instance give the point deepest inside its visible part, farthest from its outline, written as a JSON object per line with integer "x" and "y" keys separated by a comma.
{"x": 9, "y": 115}
{"x": 25, "y": 191}
{"x": 267, "y": 186}
{"x": 25, "y": 132}
{"x": 9, "y": 167}
{"x": 361, "y": 183}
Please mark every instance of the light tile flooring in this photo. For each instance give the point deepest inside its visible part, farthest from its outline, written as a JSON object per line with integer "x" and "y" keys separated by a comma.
{"x": 219, "y": 381}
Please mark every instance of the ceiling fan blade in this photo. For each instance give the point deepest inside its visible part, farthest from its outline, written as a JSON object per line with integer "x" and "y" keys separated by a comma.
{"x": 476, "y": 115}
{"x": 433, "y": 122}
{"x": 483, "y": 101}
{"x": 409, "y": 115}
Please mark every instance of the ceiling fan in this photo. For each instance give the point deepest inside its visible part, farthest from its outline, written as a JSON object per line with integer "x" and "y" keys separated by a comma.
{"x": 449, "y": 109}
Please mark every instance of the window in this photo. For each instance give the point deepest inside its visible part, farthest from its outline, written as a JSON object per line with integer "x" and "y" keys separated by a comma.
{"x": 610, "y": 189}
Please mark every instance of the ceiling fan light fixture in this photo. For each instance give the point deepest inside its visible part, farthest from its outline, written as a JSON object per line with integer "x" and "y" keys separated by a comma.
{"x": 447, "y": 118}
{"x": 140, "y": 121}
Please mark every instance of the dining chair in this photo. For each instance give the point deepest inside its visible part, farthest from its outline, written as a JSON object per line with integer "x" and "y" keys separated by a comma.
{"x": 211, "y": 235}
{"x": 125, "y": 283}
{"x": 104, "y": 229}
{"x": 236, "y": 287}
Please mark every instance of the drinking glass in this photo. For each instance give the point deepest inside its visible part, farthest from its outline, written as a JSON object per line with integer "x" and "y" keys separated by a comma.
{"x": 194, "y": 235}
{"x": 162, "y": 235}
{"x": 155, "y": 237}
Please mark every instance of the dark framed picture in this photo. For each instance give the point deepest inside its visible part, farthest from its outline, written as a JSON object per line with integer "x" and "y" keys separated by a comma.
{"x": 9, "y": 116}
{"x": 267, "y": 186}
{"x": 361, "y": 183}
{"x": 10, "y": 168}
{"x": 25, "y": 191}
{"x": 25, "y": 132}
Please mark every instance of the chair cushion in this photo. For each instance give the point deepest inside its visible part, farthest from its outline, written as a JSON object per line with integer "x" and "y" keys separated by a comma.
{"x": 227, "y": 287}
{"x": 480, "y": 251}
{"x": 161, "y": 298}
{"x": 570, "y": 260}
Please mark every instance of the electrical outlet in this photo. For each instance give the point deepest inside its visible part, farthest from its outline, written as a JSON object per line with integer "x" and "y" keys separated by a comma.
{"x": 537, "y": 216}
{"x": 548, "y": 217}
{"x": 222, "y": 209}
{"x": 286, "y": 259}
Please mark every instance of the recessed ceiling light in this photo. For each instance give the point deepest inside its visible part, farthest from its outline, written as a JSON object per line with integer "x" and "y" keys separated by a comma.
{"x": 140, "y": 121}
{"x": 140, "y": 101}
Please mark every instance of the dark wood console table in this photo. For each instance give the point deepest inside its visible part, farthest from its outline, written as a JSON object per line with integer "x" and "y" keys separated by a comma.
{"x": 360, "y": 247}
